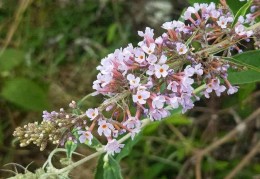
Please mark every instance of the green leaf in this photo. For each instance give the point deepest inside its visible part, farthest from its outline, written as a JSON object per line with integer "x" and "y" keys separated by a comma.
{"x": 108, "y": 168}
{"x": 251, "y": 60}
{"x": 178, "y": 120}
{"x": 10, "y": 59}
{"x": 70, "y": 147}
{"x": 245, "y": 91}
{"x": 129, "y": 144}
{"x": 241, "y": 12}
{"x": 235, "y": 5}
{"x": 99, "y": 173}
{"x": 111, "y": 33}
{"x": 25, "y": 93}
{"x": 95, "y": 143}
{"x": 244, "y": 77}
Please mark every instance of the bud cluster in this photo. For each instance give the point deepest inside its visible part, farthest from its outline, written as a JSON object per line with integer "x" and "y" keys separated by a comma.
{"x": 153, "y": 78}
{"x": 56, "y": 127}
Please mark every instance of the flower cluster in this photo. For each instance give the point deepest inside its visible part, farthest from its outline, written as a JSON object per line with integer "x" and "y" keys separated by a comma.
{"x": 161, "y": 72}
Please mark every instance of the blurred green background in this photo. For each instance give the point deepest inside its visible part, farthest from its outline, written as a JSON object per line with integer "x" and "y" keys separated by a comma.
{"x": 49, "y": 52}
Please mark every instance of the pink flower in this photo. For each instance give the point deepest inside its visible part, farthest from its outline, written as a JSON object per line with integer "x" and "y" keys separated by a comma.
{"x": 148, "y": 33}
{"x": 149, "y": 50}
{"x": 168, "y": 25}
{"x": 190, "y": 71}
{"x": 174, "y": 102}
{"x": 232, "y": 90}
{"x": 159, "y": 40}
{"x": 163, "y": 59}
{"x": 222, "y": 22}
{"x": 181, "y": 48}
{"x": 240, "y": 30}
{"x": 139, "y": 55}
{"x": 113, "y": 146}
{"x": 158, "y": 114}
{"x": 214, "y": 14}
{"x": 105, "y": 128}
{"x": 92, "y": 113}
{"x": 141, "y": 97}
{"x": 158, "y": 102}
{"x": 241, "y": 19}
{"x": 173, "y": 85}
{"x": 188, "y": 12}
{"x": 161, "y": 70}
{"x": 134, "y": 125}
{"x": 134, "y": 82}
{"x": 151, "y": 59}
{"x": 85, "y": 135}
{"x": 214, "y": 85}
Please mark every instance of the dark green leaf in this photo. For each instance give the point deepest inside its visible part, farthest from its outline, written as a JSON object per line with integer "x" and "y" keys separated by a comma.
{"x": 129, "y": 144}
{"x": 25, "y": 93}
{"x": 95, "y": 143}
{"x": 241, "y": 12}
{"x": 251, "y": 60}
{"x": 245, "y": 91}
{"x": 10, "y": 59}
{"x": 70, "y": 147}
{"x": 235, "y": 5}
{"x": 99, "y": 173}
{"x": 108, "y": 168}
{"x": 153, "y": 170}
{"x": 243, "y": 77}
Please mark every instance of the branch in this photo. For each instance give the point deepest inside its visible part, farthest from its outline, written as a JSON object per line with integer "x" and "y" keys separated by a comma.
{"x": 226, "y": 43}
{"x": 244, "y": 162}
{"x": 199, "y": 156}
{"x": 145, "y": 122}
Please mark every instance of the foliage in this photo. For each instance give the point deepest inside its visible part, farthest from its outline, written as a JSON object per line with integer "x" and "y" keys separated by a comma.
{"x": 50, "y": 50}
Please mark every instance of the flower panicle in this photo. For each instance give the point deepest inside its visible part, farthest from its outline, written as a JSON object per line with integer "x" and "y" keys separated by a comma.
{"x": 153, "y": 78}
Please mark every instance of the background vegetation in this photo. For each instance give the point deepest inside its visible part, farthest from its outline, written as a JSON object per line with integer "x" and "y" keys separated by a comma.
{"x": 49, "y": 51}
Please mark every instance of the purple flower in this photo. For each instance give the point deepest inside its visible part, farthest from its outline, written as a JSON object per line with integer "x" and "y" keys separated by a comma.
{"x": 174, "y": 102}
{"x": 134, "y": 81}
{"x": 148, "y": 50}
{"x": 158, "y": 114}
{"x": 158, "y": 102}
{"x": 181, "y": 48}
{"x": 232, "y": 90}
{"x": 132, "y": 123}
{"x": 92, "y": 113}
{"x": 105, "y": 128}
{"x": 141, "y": 97}
{"x": 113, "y": 146}
{"x": 186, "y": 102}
{"x": 161, "y": 70}
{"x": 85, "y": 135}
{"x": 49, "y": 116}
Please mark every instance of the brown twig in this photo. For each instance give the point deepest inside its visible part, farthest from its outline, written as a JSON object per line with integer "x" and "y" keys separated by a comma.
{"x": 244, "y": 161}
{"x": 199, "y": 156}
{"x": 17, "y": 19}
